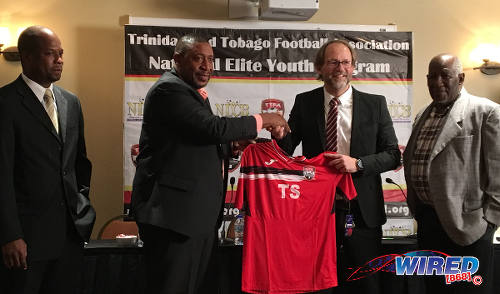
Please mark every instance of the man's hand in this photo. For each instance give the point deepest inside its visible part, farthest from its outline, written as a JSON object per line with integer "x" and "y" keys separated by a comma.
{"x": 343, "y": 163}
{"x": 276, "y": 124}
{"x": 238, "y": 146}
{"x": 14, "y": 254}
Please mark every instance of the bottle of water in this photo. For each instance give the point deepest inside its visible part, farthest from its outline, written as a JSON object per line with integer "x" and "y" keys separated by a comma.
{"x": 239, "y": 225}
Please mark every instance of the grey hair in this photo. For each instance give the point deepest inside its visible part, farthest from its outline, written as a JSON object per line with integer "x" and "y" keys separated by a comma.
{"x": 186, "y": 43}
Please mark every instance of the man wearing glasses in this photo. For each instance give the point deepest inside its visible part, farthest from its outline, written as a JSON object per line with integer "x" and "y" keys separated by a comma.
{"x": 358, "y": 127}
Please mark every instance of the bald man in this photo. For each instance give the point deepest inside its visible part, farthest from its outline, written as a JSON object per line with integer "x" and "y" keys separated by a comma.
{"x": 45, "y": 212}
{"x": 452, "y": 162}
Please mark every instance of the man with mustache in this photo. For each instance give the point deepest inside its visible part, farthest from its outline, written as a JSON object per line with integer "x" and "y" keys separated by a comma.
{"x": 45, "y": 212}
{"x": 178, "y": 189}
{"x": 452, "y": 161}
{"x": 358, "y": 127}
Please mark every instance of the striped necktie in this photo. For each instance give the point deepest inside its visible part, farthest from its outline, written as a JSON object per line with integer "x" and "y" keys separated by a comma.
{"x": 331, "y": 125}
{"x": 50, "y": 107}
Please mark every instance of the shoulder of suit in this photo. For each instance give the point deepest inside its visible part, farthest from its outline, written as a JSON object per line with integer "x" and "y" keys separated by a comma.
{"x": 479, "y": 101}
{"x": 313, "y": 92}
{"x": 12, "y": 85}
{"x": 356, "y": 92}
{"x": 169, "y": 78}
{"x": 10, "y": 91}
{"x": 64, "y": 93}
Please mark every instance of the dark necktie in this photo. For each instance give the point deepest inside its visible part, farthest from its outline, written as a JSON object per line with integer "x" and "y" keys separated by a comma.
{"x": 331, "y": 125}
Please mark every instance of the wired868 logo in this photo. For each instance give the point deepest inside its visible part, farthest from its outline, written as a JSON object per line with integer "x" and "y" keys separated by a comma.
{"x": 453, "y": 268}
{"x": 424, "y": 263}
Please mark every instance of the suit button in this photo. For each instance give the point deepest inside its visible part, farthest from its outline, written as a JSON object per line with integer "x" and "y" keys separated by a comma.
{"x": 64, "y": 173}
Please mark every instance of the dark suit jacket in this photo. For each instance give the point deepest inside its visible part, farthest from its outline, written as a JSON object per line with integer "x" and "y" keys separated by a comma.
{"x": 178, "y": 180}
{"x": 44, "y": 177}
{"x": 373, "y": 140}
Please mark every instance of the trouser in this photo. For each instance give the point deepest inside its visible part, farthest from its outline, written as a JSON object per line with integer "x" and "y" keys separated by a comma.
{"x": 175, "y": 263}
{"x": 354, "y": 251}
{"x": 61, "y": 275}
{"x": 431, "y": 236}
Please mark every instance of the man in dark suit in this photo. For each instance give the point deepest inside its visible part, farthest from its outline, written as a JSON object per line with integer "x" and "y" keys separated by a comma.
{"x": 360, "y": 130}
{"x": 178, "y": 189}
{"x": 45, "y": 213}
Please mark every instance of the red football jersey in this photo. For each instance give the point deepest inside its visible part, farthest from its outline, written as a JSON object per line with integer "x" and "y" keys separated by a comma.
{"x": 289, "y": 238}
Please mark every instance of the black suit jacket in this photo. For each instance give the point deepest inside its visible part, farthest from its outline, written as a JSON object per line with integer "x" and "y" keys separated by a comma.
{"x": 44, "y": 176}
{"x": 178, "y": 181}
{"x": 373, "y": 140}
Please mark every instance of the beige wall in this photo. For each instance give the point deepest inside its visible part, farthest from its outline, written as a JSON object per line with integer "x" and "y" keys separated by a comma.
{"x": 93, "y": 43}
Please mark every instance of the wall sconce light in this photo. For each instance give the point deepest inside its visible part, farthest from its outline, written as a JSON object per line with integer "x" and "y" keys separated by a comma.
{"x": 10, "y": 53}
{"x": 489, "y": 67}
{"x": 489, "y": 53}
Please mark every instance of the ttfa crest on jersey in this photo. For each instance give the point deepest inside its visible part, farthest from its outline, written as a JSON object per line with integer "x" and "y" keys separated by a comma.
{"x": 309, "y": 172}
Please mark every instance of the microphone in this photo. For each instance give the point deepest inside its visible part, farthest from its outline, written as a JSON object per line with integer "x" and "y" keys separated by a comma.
{"x": 232, "y": 180}
{"x": 390, "y": 181}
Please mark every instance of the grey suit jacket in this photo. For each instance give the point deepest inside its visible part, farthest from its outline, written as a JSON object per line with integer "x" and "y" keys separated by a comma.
{"x": 463, "y": 168}
{"x": 44, "y": 176}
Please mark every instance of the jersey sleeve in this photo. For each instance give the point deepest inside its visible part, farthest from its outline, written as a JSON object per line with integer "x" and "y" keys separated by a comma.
{"x": 347, "y": 186}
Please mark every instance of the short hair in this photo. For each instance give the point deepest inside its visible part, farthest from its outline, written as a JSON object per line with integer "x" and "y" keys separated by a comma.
{"x": 29, "y": 39}
{"x": 186, "y": 43}
{"x": 320, "y": 56}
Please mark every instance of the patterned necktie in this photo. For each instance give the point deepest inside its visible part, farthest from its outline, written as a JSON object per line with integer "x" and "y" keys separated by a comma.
{"x": 331, "y": 125}
{"x": 50, "y": 107}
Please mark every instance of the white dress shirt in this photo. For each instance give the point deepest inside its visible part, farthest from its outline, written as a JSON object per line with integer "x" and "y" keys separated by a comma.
{"x": 344, "y": 123}
{"x": 39, "y": 90}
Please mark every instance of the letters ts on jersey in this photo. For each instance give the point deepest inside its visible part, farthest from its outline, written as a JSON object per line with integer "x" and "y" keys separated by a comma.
{"x": 289, "y": 239}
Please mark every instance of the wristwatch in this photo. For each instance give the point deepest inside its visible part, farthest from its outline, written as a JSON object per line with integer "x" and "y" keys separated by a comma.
{"x": 359, "y": 165}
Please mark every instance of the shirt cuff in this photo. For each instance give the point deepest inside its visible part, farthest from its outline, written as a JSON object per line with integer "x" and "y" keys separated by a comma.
{"x": 258, "y": 120}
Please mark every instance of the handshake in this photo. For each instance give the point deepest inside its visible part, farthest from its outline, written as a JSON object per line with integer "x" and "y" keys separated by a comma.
{"x": 276, "y": 124}
{"x": 273, "y": 122}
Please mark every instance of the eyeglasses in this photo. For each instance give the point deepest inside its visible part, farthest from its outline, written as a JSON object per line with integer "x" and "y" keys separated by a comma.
{"x": 336, "y": 63}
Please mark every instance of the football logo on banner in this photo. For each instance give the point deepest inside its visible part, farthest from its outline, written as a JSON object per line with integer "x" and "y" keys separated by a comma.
{"x": 272, "y": 105}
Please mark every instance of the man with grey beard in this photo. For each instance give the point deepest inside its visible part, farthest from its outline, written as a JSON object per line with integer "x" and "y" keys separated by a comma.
{"x": 358, "y": 127}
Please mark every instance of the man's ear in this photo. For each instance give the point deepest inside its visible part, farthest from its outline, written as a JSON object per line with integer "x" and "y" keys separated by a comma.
{"x": 318, "y": 71}
{"x": 461, "y": 78}
{"x": 177, "y": 58}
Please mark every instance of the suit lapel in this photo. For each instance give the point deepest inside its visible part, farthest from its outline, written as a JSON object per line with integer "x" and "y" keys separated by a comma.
{"x": 207, "y": 103}
{"x": 355, "y": 121}
{"x": 318, "y": 109}
{"x": 195, "y": 93}
{"x": 62, "y": 112}
{"x": 452, "y": 126}
{"x": 31, "y": 102}
{"x": 411, "y": 144}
